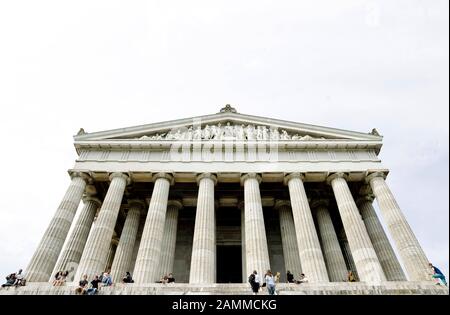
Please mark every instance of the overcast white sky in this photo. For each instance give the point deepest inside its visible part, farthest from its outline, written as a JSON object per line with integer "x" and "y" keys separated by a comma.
{"x": 101, "y": 65}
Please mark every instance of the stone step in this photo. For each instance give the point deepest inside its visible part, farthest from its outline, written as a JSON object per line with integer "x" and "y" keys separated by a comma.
{"x": 345, "y": 288}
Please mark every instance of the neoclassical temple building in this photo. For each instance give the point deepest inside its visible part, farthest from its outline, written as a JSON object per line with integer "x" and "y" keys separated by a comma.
{"x": 212, "y": 198}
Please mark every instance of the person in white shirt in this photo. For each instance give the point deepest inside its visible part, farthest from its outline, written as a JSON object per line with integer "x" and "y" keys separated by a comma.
{"x": 303, "y": 279}
{"x": 270, "y": 282}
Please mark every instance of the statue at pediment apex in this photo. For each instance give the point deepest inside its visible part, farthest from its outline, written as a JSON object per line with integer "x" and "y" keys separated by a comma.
{"x": 228, "y": 130}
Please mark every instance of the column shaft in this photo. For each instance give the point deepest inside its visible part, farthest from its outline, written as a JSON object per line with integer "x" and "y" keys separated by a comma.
{"x": 366, "y": 260}
{"x": 311, "y": 257}
{"x": 147, "y": 262}
{"x": 257, "y": 252}
{"x": 44, "y": 259}
{"x": 71, "y": 254}
{"x": 203, "y": 267}
{"x": 391, "y": 266}
{"x": 412, "y": 254}
{"x": 243, "y": 251}
{"x": 111, "y": 253}
{"x": 289, "y": 239}
{"x": 95, "y": 253}
{"x": 349, "y": 258}
{"x": 337, "y": 270}
{"x": 123, "y": 256}
{"x": 170, "y": 237}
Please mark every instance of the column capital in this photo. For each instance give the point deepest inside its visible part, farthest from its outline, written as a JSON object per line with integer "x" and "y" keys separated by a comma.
{"x": 365, "y": 190}
{"x": 364, "y": 198}
{"x": 140, "y": 204}
{"x": 319, "y": 202}
{"x": 281, "y": 203}
{"x": 115, "y": 241}
{"x": 85, "y": 176}
{"x": 289, "y": 176}
{"x": 336, "y": 175}
{"x": 167, "y": 176}
{"x": 90, "y": 190}
{"x": 175, "y": 203}
{"x": 211, "y": 176}
{"x": 250, "y": 175}
{"x": 373, "y": 175}
{"x": 121, "y": 175}
{"x": 87, "y": 198}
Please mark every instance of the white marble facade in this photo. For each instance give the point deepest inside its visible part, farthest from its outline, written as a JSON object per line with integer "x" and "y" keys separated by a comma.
{"x": 214, "y": 197}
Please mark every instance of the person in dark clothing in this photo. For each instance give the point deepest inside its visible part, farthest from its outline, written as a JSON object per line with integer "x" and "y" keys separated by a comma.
{"x": 289, "y": 277}
{"x": 128, "y": 278}
{"x": 170, "y": 278}
{"x": 255, "y": 282}
{"x": 57, "y": 277}
{"x": 10, "y": 280}
{"x": 82, "y": 286}
{"x": 94, "y": 289}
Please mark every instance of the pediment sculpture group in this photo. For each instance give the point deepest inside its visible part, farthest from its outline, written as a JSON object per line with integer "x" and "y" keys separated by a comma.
{"x": 228, "y": 132}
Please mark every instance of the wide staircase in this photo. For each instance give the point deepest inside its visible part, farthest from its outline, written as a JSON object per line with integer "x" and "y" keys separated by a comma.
{"x": 345, "y": 288}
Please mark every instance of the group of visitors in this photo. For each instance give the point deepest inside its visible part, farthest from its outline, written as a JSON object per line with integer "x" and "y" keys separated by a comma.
{"x": 167, "y": 278}
{"x": 84, "y": 287}
{"x": 270, "y": 281}
{"x": 14, "y": 279}
{"x": 290, "y": 278}
{"x": 103, "y": 280}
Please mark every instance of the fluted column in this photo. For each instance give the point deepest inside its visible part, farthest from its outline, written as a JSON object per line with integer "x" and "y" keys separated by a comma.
{"x": 366, "y": 260}
{"x": 111, "y": 253}
{"x": 288, "y": 237}
{"x": 380, "y": 241}
{"x": 334, "y": 259}
{"x": 147, "y": 262}
{"x": 411, "y": 253}
{"x": 241, "y": 206}
{"x": 71, "y": 254}
{"x": 124, "y": 251}
{"x": 257, "y": 252}
{"x": 348, "y": 254}
{"x": 170, "y": 237}
{"x": 203, "y": 267}
{"x": 44, "y": 259}
{"x": 96, "y": 250}
{"x": 311, "y": 257}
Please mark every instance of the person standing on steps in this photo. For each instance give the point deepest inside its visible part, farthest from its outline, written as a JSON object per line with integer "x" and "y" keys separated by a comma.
{"x": 270, "y": 282}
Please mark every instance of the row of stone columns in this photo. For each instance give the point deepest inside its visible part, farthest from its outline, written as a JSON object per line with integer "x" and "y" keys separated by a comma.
{"x": 323, "y": 261}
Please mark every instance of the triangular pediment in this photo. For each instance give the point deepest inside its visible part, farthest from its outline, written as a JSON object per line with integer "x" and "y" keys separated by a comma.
{"x": 227, "y": 125}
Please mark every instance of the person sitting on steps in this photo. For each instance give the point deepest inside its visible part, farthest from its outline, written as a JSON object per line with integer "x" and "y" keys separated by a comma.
{"x": 127, "y": 278}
